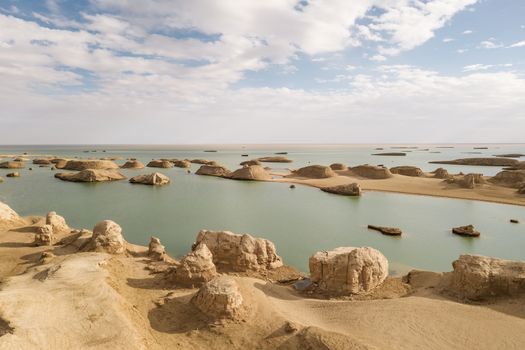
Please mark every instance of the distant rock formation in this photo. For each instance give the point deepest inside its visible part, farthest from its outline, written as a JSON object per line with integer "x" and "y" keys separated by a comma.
{"x": 181, "y": 163}
{"x": 234, "y": 252}
{"x": 478, "y": 277}
{"x": 160, "y": 164}
{"x": 509, "y": 178}
{"x": 42, "y": 161}
{"x": 389, "y": 231}
{"x": 156, "y": 250}
{"x": 510, "y": 155}
{"x": 338, "y": 166}
{"x": 83, "y": 164}
{"x": 194, "y": 269}
{"x": 199, "y": 161}
{"x": 107, "y": 237}
{"x": 133, "y": 164}
{"x": 12, "y": 165}
{"x": 352, "y": 189}
{"x": 274, "y": 159}
{"x": 407, "y": 170}
{"x": 467, "y": 231}
{"x": 391, "y": 154}
{"x": 348, "y": 270}
{"x": 479, "y": 161}
{"x": 251, "y": 172}
{"x": 91, "y": 175}
{"x": 213, "y": 170}
{"x": 314, "y": 172}
{"x": 15, "y": 174}
{"x": 371, "y": 172}
{"x": 441, "y": 173}
{"x": 466, "y": 181}
{"x": 59, "y": 163}
{"x": 220, "y": 299}
{"x": 150, "y": 179}
{"x": 250, "y": 162}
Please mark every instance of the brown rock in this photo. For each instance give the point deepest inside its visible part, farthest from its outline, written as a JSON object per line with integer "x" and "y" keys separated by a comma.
{"x": 274, "y": 159}
{"x": 220, "y": 299}
{"x": 348, "y": 270}
{"x": 407, "y": 170}
{"x": 345, "y": 190}
{"x": 314, "y": 172}
{"x": 199, "y": 161}
{"x": 441, "y": 173}
{"x": 371, "y": 172}
{"x": 478, "y": 277}
{"x": 42, "y": 161}
{"x": 479, "y": 161}
{"x": 160, "y": 164}
{"x": 133, "y": 164}
{"x": 514, "y": 221}
{"x": 7, "y": 215}
{"x": 12, "y": 165}
{"x": 391, "y": 154}
{"x": 467, "y": 231}
{"x": 156, "y": 250}
{"x": 250, "y": 162}
{"x": 213, "y": 170}
{"x": 107, "y": 237}
{"x": 57, "y": 222}
{"x": 251, "y": 172}
{"x": 522, "y": 189}
{"x": 467, "y": 181}
{"x": 338, "y": 166}
{"x": 389, "y": 231}
{"x": 44, "y": 236}
{"x": 508, "y": 178}
{"x": 234, "y": 252}
{"x": 195, "y": 269}
{"x": 15, "y": 174}
{"x": 150, "y": 179}
{"x": 182, "y": 163}
{"x": 83, "y": 164}
{"x": 91, "y": 175}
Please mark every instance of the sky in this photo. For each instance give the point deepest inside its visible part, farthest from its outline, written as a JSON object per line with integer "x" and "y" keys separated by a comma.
{"x": 254, "y": 71}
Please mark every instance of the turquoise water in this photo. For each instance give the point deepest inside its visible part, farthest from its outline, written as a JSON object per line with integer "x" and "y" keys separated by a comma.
{"x": 299, "y": 221}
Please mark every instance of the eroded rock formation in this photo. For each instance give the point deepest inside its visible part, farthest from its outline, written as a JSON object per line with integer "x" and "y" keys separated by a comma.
{"x": 83, "y": 164}
{"x": 407, "y": 170}
{"x": 220, "y": 299}
{"x": 133, "y": 164}
{"x": 371, "y": 172}
{"x": 352, "y": 189}
{"x": 314, "y": 172}
{"x": 195, "y": 268}
{"x": 251, "y": 172}
{"x": 213, "y": 170}
{"x": 91, "y": 175}
{"x": 107, "y": 237}
{"x": 162, "y": 163}
{"x": 150, "y": 179}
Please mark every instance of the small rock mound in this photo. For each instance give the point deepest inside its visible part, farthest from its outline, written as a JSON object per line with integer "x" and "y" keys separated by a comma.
{"x": 57, "y": 222}
{"x": 478, "y": 277}
{"x": 160, "y": 164}
{"x": 156, "y": 250}
{"x": 150, "y": 179}
{"x": 213, "y": 170}
{"x": 441, "y": 173}
{"x": 12, "y": 165}
{"x": 107, "y": 237}
{"x": 91, "y": 175}
{"x": 274, "y": 159}
{"x": 371, "y": 172}
{"x": 83, "y": 164}
{"x": 348, "y": 270}
{"x": 251, "y": 172}
{"x": 338, "y": 166}
{"x": 389, "y": 231}
{"x": 133, "y": 164}
{"x": 352, "y": 189}
{"x": 250, "y": 162}
{"x": 407, "y": 170}
{"x": 220, "y": 299}
{"x": 195, "y": 268}
{"x": 15, "y": 174}
{"x": 467, "y": 231}
{"x": 42, "y": 161}
{"x": 199, "y": 161}
{"x": 314, "y": 172}
{"x": 467, "y": 181}
{"x": 234, "y": 252}
{"x": 509, "y": 178}
{"x": 181, "y": 163}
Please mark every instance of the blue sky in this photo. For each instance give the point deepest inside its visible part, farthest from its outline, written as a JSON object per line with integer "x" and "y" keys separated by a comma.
{"x": 203, "y": 71}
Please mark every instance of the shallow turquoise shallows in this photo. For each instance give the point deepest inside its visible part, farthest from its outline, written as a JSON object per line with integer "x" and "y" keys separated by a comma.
{"x": 299, "y": 221}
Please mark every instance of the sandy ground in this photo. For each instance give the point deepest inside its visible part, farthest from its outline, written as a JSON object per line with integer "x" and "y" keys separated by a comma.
{"x": 418, "y": 185}
{"x": 98, "y": 301}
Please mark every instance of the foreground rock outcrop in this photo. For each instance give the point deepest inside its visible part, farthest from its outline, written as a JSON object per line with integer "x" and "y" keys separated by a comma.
{"x": 7, "y": 215}
{"x": 251, "y": 172}
{"x": 371, "y": 172}
{"x": 91, "y": 175}
{"x": 352, "y": 189}
{"x": 213, "y": 170}
{"x": 156, "y": 250}
{"x": 157, "y": 179}
{"x": 407, "y": 170}
{"x": 234, "y": 252}
{"x": 44, "y": 236}
{"x": 83, "y": 164}
{"x": 195, "y": 268}
{"x": 314, "y": 172}
{"x": 107, "y": 237}
{"x": 57, "y": 222}
{"x": 348, "y": 270}
{"x": 220, "y": 299}
{"x": 478, "y": 277}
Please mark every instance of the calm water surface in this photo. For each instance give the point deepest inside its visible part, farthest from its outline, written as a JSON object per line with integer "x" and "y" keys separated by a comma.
{"x": 299, "y": 221}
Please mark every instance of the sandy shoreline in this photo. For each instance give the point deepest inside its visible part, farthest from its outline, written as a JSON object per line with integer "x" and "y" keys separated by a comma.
{"x": 416, "y": 186}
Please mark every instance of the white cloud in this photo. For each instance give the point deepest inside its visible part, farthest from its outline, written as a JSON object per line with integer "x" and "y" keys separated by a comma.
{"x": 467, "y": 32}
{"x": 518, "y": 44}
{"x": 490, "y": 44}
{"x": 378, "y": 58}
{"x": 447, "y": 40}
